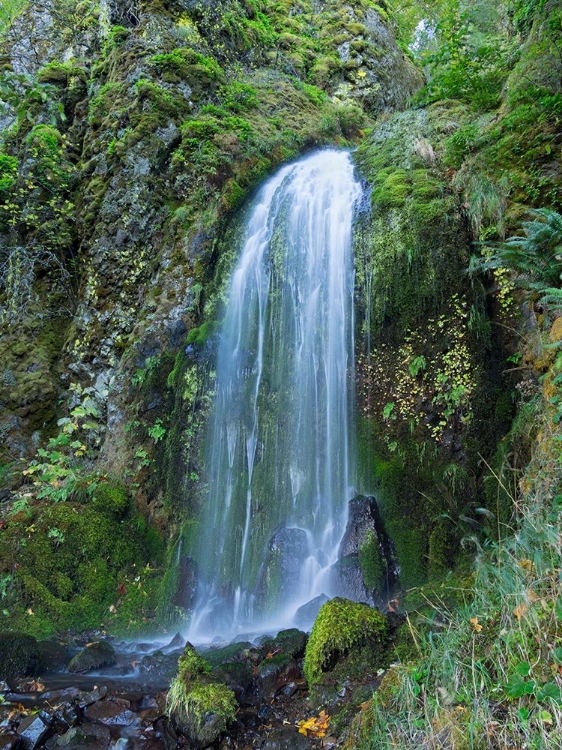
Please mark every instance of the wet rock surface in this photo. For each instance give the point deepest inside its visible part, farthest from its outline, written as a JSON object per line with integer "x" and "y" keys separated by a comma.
{"x": 122, "y": 707}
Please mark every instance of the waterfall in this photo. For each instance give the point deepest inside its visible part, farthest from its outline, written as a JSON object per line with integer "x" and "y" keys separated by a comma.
{"x": 280, "y": 457}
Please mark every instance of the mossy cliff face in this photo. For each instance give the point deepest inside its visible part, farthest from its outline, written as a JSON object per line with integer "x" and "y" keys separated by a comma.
{"x": 426, "y": 374}
{"x": 165, "y": 117}
{"x": 132, "y": 137}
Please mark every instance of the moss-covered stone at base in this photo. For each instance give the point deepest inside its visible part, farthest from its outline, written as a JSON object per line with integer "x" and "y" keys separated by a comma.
{"x": 199, "y": 706}
{"x": 341, "y": 627}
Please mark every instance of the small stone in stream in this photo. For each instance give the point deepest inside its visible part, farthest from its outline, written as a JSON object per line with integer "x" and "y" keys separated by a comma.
{"x": 32, "y": 731}
{"x": 66, "y": 694}
{"x": 67, "y": 713}
{"x": 89, "y": 736}
{"x": 148, "y": 701}
{"x": 9, "y": 741}
{"x": 265, "y": 712}
{"x": 4, "y": 686}
{"x": 289, "y": 689}
{"x": 149, "y": 743}
{"x": 110, "y": 712}
{"x": 94, "y": 656}
{"x": 287, "y": 738}
{"x": 92, "y": 696}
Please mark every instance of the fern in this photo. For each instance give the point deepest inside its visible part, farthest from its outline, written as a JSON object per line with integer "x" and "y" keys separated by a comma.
{"x": 536, "y": 257}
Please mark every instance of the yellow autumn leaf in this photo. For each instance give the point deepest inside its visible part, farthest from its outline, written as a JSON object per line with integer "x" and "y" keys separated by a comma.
{"x": 520, "y": 610}
{"x": 526, "y": 565}
{"x": 531, "y": 596}
{"x": 316, "y": 726}
{"x": 475, "y": 624}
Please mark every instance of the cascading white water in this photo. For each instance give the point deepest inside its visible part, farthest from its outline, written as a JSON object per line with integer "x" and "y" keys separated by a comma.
{"x": 280, "y": 465}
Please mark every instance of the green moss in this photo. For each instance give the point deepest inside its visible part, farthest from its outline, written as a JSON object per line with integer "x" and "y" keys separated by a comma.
{"x": 202, "y": 73}
{"x": 371, "y": 562}
{"x": 72, "y": 559}
{"x": 200, "y": 336}
{"x": 111, "y": 499}
{"x": 193, "y": 696}
{"x": 8, "y": 171}
{"x": 341, "y": 626}
{"x": 56, "y": 72}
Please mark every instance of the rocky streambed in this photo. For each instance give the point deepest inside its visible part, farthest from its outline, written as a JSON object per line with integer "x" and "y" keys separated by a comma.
{"x": 103, "y": 694}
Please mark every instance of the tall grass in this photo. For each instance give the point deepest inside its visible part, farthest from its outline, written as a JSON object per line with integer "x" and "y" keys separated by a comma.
{"x": 488, "y": 673}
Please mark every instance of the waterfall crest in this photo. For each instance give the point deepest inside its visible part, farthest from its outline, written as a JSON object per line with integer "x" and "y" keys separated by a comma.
{"x": 280, "y": 457}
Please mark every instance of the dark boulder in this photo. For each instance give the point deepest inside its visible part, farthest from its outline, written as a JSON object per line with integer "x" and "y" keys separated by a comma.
{"x": 305, "y": 615}
{"x": 366, "y": 547}
{"x": 286, "y": 552}
{"x": 186, "y": 590}
{"x": 291, "y": 642}
{"x": 227, "y": 654}
{"x": 275, "y": 672}
{"x": 94, "y": 656}
{"x": 19, "y": 655}
{"x": 237, "y": 676}
{"x": 348, "y": 580}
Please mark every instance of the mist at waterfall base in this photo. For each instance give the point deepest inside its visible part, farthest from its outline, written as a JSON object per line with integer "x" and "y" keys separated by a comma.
{"x": 280, "y": 459}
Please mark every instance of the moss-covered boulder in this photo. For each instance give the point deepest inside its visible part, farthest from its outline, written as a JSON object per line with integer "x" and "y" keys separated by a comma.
{"x": 199, "y": 706}
{"x": 342, "y": 628}
{"x": 19, "y": 655}
{"x": 94, "y": 656}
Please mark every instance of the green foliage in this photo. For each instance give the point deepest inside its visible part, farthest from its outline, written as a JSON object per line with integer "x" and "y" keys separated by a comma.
{"x": 9, "y": 10}
{"x": 202, "y": 73}
{"x": 157, "y": 431}
{"x": 8, "y": 171}
{"x": 524, "y": 12}
{"x": 341, "y": 625}
{"x": 472, "y": 59}
{"x": 535, "y": 256}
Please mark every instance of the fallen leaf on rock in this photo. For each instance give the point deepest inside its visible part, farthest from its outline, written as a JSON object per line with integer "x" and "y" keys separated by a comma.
{"x": 34, "y": 686}
{"x": 316, "y": 726}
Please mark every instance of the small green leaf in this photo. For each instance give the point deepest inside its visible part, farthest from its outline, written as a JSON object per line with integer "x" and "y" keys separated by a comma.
{"x": 558, "y": 608}
{"x": 388, "y": 409}
{"x": 557, "y": 655}
{"x": 517, "y": 687}
{"x": 523, "y": 669}
{"x": 550, "y": 690}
